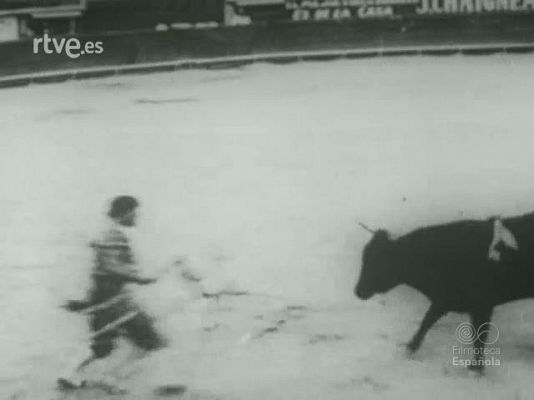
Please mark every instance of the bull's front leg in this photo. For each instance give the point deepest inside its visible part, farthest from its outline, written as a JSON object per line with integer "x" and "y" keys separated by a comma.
{"x": 434, "y": 313}
{"x": 479, "y": 318}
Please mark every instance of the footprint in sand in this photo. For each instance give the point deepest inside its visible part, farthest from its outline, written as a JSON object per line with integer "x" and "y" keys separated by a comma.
{"x": 366, "y": 381}
{"x": 322, "y": 338}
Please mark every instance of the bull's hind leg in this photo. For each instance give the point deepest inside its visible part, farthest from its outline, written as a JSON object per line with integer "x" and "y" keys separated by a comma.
{"x": 480, "y": 320}
{"x": 433, "y": 314}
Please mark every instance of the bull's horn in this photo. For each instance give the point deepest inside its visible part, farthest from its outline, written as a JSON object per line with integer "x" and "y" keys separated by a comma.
{"x": 366, "y": 228}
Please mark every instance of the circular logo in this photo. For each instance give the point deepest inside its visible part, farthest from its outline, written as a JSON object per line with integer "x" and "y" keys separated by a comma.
{"x": 491, "y": 331}
{"x": 465, "y": 333}
{"x": 487, "y": 333}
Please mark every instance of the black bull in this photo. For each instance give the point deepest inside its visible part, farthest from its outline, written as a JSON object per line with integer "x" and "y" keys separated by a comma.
{"x": 449, "y": 264}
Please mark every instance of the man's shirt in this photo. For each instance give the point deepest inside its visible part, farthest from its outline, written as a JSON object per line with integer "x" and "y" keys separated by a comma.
{"x": 114, "y": 264}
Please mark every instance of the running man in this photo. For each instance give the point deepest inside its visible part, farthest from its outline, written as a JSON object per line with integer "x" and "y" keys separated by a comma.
{"x": 112, "y": 311}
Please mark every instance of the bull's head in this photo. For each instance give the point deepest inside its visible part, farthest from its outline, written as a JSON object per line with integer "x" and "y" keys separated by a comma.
{"x": 378, "y": 273}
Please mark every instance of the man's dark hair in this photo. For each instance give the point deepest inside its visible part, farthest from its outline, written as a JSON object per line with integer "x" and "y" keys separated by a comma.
{"x": 121, "y": 205}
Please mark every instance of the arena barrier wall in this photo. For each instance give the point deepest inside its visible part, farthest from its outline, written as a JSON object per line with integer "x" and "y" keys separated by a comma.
{"x": 141, "y": 52}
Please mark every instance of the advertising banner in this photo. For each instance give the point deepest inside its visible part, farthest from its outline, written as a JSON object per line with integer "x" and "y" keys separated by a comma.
{"x": 347, "y": 9}
{"x": 473, "y": 6}
{"x": 315, "y": 10}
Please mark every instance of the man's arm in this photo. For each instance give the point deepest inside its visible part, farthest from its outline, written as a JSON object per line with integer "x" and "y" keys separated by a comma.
{"x": 127, "y": 274}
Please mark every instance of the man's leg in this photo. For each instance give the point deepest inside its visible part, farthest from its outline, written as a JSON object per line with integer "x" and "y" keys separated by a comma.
{"x": 141, "y": 331}
{"x": 101, "y": 347}
{"x": 71, "y": 376}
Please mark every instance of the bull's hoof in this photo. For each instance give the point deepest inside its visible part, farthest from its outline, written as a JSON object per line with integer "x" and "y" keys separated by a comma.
{"x": 476, "y": 370}
{"x": 412, "y": 346}
{"x": 408, "y": 352}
